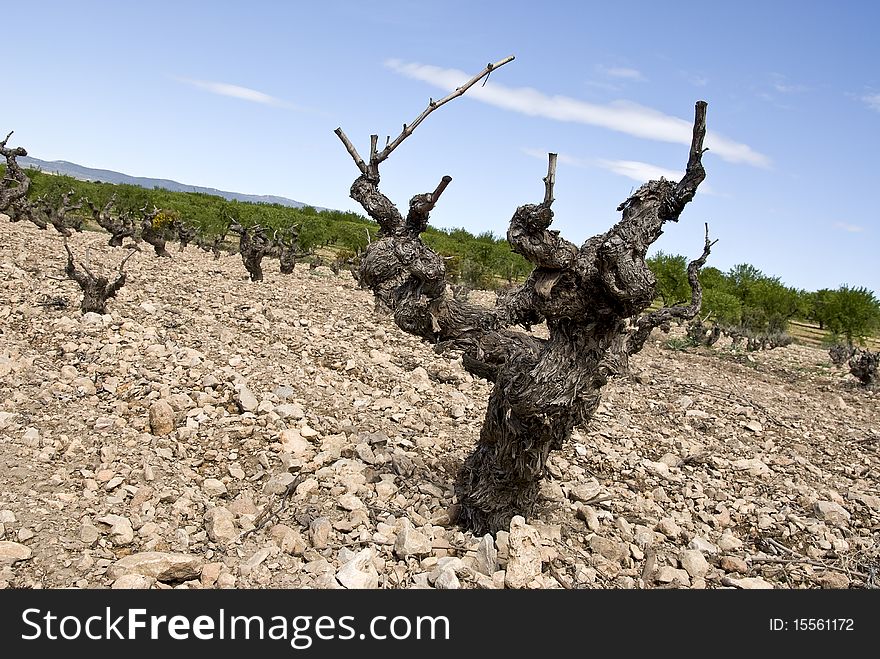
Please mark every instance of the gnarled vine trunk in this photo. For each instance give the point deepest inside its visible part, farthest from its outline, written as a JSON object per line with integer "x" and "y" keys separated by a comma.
{"x": 286, "y": 243}
{"x": 15, "y": 184}
{"x": 119, "y": 226}
{"x": 589, "y": 296}
{"x": 153, "y": 234}
{"x": 185, "y": 234}
{"x": 699, "y": 334}
{"x": 60, "y": 215}
{"x": 216, "y": 247}
{"x": 252, "y": 244}
{"x": 862, "y": 363}
{"x": 865, "y": 366}
{"x": 97, "y": 289}
{"x": 14, "y": 189}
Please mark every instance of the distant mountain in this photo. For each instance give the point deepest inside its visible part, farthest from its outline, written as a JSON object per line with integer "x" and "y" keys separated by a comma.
{"x": 107, "y": 176}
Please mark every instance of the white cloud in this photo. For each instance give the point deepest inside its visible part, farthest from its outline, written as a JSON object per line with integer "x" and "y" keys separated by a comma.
{"x": 641, "y": 172}
{"x": 851, "y": 228}
{"x": 622, "y": 116}
{"x": 243, "y": 93}
{"x": 644, "y": 172}
{"x": 873, "y": 101}
{"x": 622, "y": 72}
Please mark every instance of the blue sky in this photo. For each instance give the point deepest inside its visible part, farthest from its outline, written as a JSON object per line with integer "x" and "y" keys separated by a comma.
{"x": 245, "y": 97}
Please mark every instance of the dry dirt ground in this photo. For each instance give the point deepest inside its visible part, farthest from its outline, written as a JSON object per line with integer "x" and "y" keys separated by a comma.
{"x": 212, "y": 432}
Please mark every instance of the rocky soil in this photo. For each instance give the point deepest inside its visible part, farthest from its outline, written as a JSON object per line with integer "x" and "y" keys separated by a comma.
{"x": 213, "y": 432}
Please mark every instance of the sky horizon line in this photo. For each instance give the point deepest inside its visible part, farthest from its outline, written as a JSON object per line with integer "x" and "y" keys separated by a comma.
{"x": 651, "y": 251}
{"x": 246, "y": 98}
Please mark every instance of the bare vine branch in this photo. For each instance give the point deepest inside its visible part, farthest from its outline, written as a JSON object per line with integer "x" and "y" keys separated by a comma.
{"x": 550, "y": 179}
{"x": 433, "y": 105}
{"x": 648, "y": 322}
{"x": 376, "y": 157}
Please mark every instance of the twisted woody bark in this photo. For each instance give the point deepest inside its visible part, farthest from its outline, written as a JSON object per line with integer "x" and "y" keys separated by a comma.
{"x": 59, "y": 214}
{"x": 15, "y": 184}
{"x": 97, "y": 289}
{"x": 152, "y": 234}
{"x": 586, "y": 295}
{"x": 118, "y": 226}
{"x": 865, "y": 366}
{"x": 185, "y": 233}
{"x": 252, "y": 245}
{"x": 14, "y": 188}
{"x": 13, "y": 198}
{"x": 216, "y": 244}
{"x": 285, "y": 243}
